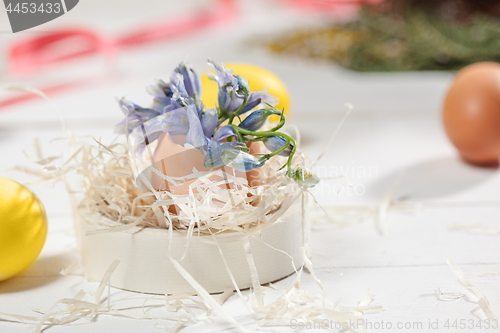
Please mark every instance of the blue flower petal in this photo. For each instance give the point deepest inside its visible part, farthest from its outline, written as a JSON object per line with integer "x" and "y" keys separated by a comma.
{"x": 129, "y": 108}
{"x": 209, "y": 122}
{"x": 223, "y": 75}
{"x": 256, "y": 98}
{"x": 224, "y": 132}
{"x": 134, "y": 115}
{"x": 191, "y": 80}
{"x": 209, "y": 146}
{"x": 177, "y": 84}
{"x": 150, "y": 131}
{"x": 195, "y": 135}
{"x": 176, "y": 122}
{"x": 161, "y": 89}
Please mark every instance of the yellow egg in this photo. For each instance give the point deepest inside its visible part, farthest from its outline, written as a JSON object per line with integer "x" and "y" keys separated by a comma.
{"x": 258, "y": 78}
{"x": 23, "y": 228}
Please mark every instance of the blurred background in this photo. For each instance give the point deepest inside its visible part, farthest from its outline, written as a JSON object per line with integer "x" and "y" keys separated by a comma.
{"x": 315, "y": 38}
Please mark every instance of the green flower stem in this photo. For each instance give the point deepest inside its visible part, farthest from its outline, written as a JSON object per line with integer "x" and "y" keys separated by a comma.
{"x": 221, "y": 120}
{"x": 239, "y": 131}
{"x": 281, "y": 122}
{"x": 240, "y": 137}
{"x": 236, "y": 113}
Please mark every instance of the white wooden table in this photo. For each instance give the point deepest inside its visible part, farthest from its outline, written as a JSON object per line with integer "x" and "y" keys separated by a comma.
{"x": 393, "y": 135}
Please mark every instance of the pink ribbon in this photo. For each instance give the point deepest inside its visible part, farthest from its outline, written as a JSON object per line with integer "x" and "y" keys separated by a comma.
{"x": 344, "y": 9}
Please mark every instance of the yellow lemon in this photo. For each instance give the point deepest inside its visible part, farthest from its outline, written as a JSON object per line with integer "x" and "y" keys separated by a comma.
{"x": 23, "y": 228}
{"x": 258, "y": 78}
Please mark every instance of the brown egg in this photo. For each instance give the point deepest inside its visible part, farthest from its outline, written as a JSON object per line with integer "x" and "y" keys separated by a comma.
{"x": 471, "y": 113}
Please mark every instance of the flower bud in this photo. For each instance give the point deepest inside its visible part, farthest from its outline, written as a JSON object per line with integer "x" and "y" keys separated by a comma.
{"x": 213, "y": 158}
{"x": 276, "y": 142}
{"x": 304, "y": 178}
{"x": 255, "y": 120}
{"x": 241, "y": 161}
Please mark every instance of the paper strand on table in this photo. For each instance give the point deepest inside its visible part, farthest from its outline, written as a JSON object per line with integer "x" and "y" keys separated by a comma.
{"x": 483, "y": 301}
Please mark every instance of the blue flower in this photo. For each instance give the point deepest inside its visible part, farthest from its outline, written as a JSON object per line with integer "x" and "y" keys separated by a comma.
{"x": 164, "y": 99}
{"x": 232, "y": 94}
{"x": 183, "y": 89}
{"x": 135, "y": 115}
{"x": 223, "y": 76}
{"x": 178, "y": 110}
{"x": 241, "y": 160}
{"x": 276, "y": 142}
{"x": 185, "y": 121}
{"x": 233, "y": 89}
{"x": 191, "y": 81}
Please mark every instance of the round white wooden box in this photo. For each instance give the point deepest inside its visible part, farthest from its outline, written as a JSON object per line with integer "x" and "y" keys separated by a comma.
{"x": 145, "y": 267}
